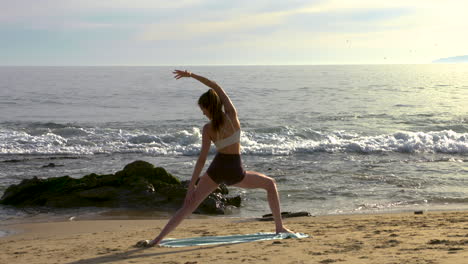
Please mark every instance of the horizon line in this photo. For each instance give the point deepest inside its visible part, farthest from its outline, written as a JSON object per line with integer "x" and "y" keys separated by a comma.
{"x": 217, "y": 65}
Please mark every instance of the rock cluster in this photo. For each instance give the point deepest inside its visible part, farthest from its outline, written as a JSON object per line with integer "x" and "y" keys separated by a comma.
{"x": 138, "y": 185}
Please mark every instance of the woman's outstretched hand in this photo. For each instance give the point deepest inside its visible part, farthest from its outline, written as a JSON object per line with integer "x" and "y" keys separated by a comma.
{"x": 179, "y": 74}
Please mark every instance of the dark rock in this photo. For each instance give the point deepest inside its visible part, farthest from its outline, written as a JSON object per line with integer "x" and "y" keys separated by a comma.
{"x": 269, "y": 217}
{"x": 138, "y": 185}
{"x": 100, "y": 193}
{"x": 51, "y": 165}
{"x": 419, "y": 212}
{"x": 234, "y": 201}
{"x": 438, "y": 241}
{"x": 13, "y": 160}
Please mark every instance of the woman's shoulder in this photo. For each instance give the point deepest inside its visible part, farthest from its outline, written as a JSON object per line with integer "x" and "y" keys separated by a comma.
{"x": 208, "y": 128}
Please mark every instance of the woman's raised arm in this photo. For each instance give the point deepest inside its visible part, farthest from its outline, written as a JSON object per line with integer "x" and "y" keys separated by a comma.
{"x": 228, "y": 106}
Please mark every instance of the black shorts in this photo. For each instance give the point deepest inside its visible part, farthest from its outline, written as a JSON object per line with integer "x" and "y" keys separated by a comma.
{"x": 226, "y": 168}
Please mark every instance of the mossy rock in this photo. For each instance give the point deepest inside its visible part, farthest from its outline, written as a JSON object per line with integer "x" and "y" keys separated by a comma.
{"x": 162, "y": 175}
{"x": 138, "y": 168}
{"x": 142, "y": 169}
{"x": 138, "y": 185}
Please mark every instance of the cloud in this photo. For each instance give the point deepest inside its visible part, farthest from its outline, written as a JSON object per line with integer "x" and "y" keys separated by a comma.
{"x": 401, "y": 31}
{"x": 322, "y": 14}
{"x": 334, "y": 29}
{"x": 194, "y": 29}
{"x": 28, "y": 12}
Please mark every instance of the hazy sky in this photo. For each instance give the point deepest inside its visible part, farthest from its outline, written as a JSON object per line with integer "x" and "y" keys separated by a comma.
{"x": 207, "y": 32}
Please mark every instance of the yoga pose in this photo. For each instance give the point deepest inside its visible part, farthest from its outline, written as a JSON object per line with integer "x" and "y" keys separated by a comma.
{"x": 224, "y": 131}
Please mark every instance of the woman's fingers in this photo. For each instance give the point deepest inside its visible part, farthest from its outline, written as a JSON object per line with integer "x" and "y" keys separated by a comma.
{"x": 179, "y": 74}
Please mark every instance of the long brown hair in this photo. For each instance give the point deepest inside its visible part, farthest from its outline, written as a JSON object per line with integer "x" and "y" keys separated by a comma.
{"x": 211, "y": 102}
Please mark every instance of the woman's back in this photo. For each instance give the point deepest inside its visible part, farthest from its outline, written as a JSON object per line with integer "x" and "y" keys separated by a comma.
{"x": 227, "y": 139}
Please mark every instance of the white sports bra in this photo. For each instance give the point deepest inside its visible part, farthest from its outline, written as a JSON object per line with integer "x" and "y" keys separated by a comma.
{"x": 232, "y": 139}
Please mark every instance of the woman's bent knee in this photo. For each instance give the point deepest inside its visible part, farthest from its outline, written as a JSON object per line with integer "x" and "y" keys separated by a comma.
{"x": 269, "y": 184}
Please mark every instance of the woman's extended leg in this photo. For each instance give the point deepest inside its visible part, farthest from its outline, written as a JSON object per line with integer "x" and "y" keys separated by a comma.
{"x": 254, "y": 180}
{"x": 205, "y": 186}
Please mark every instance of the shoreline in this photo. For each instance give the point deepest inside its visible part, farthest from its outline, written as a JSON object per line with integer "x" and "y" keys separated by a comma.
{"x": 136, "y": 215}
{"x": 431, "y": 237}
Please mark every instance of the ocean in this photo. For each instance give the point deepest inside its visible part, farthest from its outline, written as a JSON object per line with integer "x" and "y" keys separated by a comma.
{"x": 338, "y": 139}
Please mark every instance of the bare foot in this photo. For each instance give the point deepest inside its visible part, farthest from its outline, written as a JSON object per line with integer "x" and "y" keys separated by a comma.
{"x": 284, "y": 230}
{"x": 153, "y": 243}
{"x": 146, "y": 243}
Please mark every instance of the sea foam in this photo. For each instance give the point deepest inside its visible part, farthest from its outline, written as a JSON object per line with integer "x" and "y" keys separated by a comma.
{"x": 284, "y": 141}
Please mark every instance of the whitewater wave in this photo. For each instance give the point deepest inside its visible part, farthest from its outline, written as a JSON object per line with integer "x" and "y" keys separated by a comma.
{"x": 275, "y": 141}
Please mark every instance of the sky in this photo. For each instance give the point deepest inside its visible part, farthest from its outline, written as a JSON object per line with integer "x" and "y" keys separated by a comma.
{"x": 222, "y": 32}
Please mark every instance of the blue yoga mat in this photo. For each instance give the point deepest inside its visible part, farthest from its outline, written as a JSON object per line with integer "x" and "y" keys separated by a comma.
{"x": 216, "y": 240}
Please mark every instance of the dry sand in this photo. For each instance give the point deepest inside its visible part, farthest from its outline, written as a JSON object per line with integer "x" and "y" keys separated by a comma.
{"x": 434, "y": 237}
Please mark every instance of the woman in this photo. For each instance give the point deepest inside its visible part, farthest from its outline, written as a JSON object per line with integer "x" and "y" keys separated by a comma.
{"x": 224, "y": 131}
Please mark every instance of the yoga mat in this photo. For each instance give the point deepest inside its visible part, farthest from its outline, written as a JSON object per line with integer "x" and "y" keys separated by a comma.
{"x": 216, "y": 240}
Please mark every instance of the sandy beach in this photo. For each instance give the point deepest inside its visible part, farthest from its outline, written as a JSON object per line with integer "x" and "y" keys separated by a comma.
{"x": 433, "y": 237}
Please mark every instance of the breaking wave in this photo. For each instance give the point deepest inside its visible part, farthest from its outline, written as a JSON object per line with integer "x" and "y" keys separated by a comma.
{"x": 75, "y": 140}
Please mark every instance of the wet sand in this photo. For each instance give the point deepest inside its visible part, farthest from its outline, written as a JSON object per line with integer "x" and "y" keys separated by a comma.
{"x": 433, "y": 237}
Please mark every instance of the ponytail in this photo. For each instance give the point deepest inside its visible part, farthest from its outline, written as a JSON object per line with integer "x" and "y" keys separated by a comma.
{"x": 211, "y": 102}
